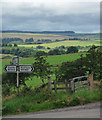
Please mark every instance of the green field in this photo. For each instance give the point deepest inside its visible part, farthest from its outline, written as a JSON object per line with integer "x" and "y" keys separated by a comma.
{"x": 32, "y": 100}
{"x": 66, "y": 43}
{"x": 52, "y": 60}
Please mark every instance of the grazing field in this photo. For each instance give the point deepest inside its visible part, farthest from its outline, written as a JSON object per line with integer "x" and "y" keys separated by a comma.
{"x": 65, "y": 43}
{"x": 57, "y": 36}
{"x": 34, "y": 36}
{"x": 5, "y": 56}
{"x": 53, "y": 60}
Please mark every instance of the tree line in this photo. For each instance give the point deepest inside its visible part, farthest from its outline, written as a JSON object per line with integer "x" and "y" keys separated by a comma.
{"x": 9, "y": 40}
{"x": 31, "y": 52}
{"x": 90, "y": 64}
{"x": 39, "y": 41}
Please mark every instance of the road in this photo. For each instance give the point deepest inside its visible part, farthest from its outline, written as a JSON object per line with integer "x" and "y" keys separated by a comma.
{"x": 91, "y": 110}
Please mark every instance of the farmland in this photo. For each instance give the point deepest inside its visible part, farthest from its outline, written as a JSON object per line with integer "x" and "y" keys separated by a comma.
{"x": 50, "y": 36}
{"x": 53, "y": 60}
{"x": 33, "y": 97}
{"x": 50, "y": 41}
{"x": 34, "y": 36}
{"x": 65, "y": 43}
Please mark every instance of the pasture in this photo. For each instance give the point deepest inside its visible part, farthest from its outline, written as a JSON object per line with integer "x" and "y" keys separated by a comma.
{"x": 65, "y": 43}
{"x": 52, "y": 60}
{"x": 34, "y": 36}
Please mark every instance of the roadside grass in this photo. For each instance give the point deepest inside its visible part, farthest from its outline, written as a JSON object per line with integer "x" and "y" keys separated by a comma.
{"x": 38, "y": 100}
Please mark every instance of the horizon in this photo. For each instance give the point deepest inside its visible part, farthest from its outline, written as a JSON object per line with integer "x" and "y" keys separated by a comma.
{"x": 41, "y": 15}
{"x": 46, "y": 31}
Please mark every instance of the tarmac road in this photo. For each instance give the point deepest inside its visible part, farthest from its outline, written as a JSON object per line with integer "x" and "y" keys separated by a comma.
{"x": 91, "y": 110}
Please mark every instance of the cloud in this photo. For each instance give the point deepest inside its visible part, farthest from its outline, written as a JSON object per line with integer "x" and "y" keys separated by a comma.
{"x": 41, "y": 15}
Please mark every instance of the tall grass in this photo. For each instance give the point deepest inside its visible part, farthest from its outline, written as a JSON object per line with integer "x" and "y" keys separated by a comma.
{"x": 42, "y": 100}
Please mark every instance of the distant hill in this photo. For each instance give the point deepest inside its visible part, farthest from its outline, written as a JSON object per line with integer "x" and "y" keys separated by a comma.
{"x": 42, "y": 32}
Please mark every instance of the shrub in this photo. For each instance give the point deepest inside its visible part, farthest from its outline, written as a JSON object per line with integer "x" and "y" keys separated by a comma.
{"x": 24, "y": 108}
{"x": 74, "y": 101}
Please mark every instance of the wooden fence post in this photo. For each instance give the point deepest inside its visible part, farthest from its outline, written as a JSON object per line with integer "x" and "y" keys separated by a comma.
{"x": 55, "y": 87}
{"x": 88, "y": 79}
{"x": 49, "y": 84}
{"x": 91, "y": 82}
{"x": 72, "y": 86}
{"x": 66, "y": 85}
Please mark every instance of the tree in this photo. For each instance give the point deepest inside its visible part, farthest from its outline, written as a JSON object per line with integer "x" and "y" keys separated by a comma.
{"x": 93, "y": 62}
{"x": 15, "y": 45}
{"x": 69, "y": 70}
{"x": 89, "y": 64}
{"x": 54, "y": 52}
{"x": 62, "y": 47}
{"x": 29, "y": 40}
{"x": 41, "y": 68}
{"x": 48, "y": 48}
{"x": 40, "y": 47}
{"x": 41, "y": 53}
{"x": 9, "y": 45}
{"x": 72, "y": 49}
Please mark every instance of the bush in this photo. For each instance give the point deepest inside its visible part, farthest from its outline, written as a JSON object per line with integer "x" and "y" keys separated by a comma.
{"x": 40, "y": 53}
{"x": 5, "y": 90}
{"x": 8, "y": 109}
{"x": 24, "y": 108}
{"x": 72, "y": 49}
{"x": 60, "y": 104}
{"x": 40, "y": 47}
{"x": 74, "y": 101}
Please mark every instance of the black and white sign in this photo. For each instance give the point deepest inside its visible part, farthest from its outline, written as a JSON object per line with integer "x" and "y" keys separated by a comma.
{"x": 26, "y": 68}
{"x": 16, "y": 68}
{"x": 10, "y": 68}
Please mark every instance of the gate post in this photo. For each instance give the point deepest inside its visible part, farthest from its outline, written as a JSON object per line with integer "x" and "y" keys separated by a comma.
{"x": 66, "y": 85}
{"x": 91, "y": 82}
{"x": 49, "y": 84}
{"x": 55, "y": 87}
{"x": 72, "y": 86}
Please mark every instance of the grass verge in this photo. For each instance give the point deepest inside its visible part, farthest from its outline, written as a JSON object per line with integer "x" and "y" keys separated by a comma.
{"x": 38, "y": 100}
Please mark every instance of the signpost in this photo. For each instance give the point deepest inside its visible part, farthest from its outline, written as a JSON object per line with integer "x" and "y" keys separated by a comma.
{"x": 16, "y": 68}
{"x": 10, "y": 68}
{"x": 25, "y": 68}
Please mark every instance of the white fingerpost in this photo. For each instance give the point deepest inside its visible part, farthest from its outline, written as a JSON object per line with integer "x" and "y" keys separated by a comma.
{"x": 16, "y": 68}
{"x": 17, "y": 82}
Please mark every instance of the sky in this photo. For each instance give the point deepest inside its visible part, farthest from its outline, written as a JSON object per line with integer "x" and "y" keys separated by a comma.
{"x": 51, "y": 15}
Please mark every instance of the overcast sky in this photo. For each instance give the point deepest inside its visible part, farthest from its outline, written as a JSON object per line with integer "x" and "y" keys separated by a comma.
{"x": 42, "y": 15}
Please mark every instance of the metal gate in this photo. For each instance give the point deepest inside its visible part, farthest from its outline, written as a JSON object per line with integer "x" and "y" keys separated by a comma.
{"x": 81, "y": 83}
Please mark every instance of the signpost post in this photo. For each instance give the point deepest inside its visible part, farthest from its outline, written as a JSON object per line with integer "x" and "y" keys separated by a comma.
{"x": 16, "y": 68}
{"x": 17, "y": 82}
